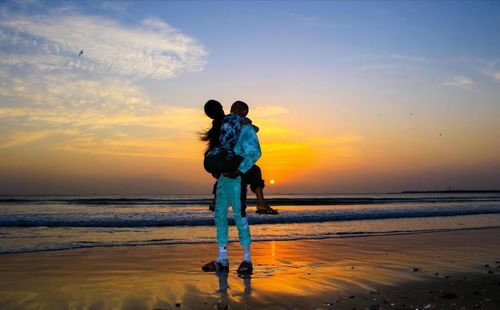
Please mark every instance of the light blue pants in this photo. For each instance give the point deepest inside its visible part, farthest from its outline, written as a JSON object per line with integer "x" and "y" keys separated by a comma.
{"x": 228, "y": 193}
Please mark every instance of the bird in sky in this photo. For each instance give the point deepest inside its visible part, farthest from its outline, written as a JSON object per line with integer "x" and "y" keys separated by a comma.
{"x": 81, "y": 53}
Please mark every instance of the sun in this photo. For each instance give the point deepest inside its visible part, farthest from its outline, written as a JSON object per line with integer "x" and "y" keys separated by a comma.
{"x": 271, "y": 182}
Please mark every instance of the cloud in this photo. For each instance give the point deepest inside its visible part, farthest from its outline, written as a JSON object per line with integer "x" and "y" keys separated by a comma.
{"x": 491, "y": 69}
{"x": 115, "y": 6}
{"x": 70, "y": 91}
{"x": 460, "y": 81}
{"x": 20, "y": 138}
{"x": 151, "y": 49}
{"x": 408, "y": 58}
{"x": 152, "y": 132}
{"x": 106, "y": 116}
{"x": 392, "y": 62}
{"x": 90, "y": 103}
{"x": 378, "y": 67}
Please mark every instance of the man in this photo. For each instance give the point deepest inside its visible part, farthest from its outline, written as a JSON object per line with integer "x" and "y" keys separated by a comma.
{"x": 229, "y": 193}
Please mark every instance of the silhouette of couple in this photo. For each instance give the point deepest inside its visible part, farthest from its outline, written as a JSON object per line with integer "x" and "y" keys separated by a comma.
{"x": 232, "y": 150}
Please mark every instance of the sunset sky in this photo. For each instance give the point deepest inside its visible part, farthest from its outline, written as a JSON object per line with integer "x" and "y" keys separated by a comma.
{"x": 349, "y": 96}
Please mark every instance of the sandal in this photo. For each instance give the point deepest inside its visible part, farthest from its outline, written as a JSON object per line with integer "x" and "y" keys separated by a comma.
{"x": 215, "y": 266}
{"x": 267, "y": 210}
{"x": 245, "y": 268}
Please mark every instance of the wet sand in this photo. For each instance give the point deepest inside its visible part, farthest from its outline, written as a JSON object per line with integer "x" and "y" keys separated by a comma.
{"x": 439, "y": 270}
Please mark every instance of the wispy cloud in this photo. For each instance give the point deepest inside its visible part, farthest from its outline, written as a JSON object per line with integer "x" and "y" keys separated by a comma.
{"x": 378, "y": 67}
{"x": 392, "y": 62}
{"x": 115, "y": 6}
{"x": 91, "y": 103}
{"x": 70, "y": 91}
{"x": 491, "y": 69}
{"x": 408, "y": 58}
{"x": 150, "y": 49}
{"x": 460, "y": 81}
{"x": 19, "y": 138}
{"x": 162, "y": 130}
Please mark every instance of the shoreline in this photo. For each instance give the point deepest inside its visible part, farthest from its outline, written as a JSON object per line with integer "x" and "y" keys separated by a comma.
{"x": 388, "y": 272}
{"x": 306, "y": 238}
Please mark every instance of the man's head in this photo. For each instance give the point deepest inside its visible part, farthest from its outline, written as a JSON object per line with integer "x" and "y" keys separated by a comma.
{"x": 213, "y": 109}
{"x": 240, "y": 108}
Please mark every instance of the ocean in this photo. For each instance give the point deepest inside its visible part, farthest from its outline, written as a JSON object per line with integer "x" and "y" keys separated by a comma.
{"x": 46, "y": 223}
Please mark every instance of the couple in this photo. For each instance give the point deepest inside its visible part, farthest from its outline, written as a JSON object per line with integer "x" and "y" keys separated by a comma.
{"x": 233, "y": 148}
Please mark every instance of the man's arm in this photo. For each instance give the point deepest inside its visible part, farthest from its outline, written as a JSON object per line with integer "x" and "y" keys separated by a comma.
{"x": 247, "y": 121}
{"x": 248, "y": 144}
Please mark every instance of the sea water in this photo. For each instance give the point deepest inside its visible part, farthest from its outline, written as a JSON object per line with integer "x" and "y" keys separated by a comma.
{"x": 41, "y": 223}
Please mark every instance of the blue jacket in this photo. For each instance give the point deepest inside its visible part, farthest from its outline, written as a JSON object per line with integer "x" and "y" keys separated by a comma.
{"x": 247, "y": 147}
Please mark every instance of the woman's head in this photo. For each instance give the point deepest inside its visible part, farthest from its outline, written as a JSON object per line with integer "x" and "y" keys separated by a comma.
{"x": 213, "y": 109}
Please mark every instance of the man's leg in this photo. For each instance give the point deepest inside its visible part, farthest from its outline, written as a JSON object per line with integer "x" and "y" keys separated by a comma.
{"x": 221, "y": 263}
{"x": 233, "y": 188}
{"x": 243, "y": 200}
{"x": 211, "y": 207}
{"x": 234, "y": 196}
{"x": 221, "y": 205}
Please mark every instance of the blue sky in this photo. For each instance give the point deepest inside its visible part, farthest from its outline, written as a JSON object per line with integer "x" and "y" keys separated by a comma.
{"x": 406, "y": 91}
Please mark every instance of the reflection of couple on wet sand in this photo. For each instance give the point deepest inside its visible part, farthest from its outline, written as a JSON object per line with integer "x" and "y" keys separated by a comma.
{"x": 233, "y": 149}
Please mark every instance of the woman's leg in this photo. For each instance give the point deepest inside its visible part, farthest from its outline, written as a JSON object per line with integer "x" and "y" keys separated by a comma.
{"x": 254, "y": 177}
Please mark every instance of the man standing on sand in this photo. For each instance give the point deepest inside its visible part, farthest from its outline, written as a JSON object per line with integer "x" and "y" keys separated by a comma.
{"x": 229, "y": 193}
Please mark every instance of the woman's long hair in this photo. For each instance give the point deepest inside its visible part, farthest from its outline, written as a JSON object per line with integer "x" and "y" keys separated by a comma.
{"x": 214, "y": 110}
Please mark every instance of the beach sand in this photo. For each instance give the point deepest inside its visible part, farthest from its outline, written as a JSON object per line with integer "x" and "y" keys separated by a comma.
{"x": 444, "y": 270}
